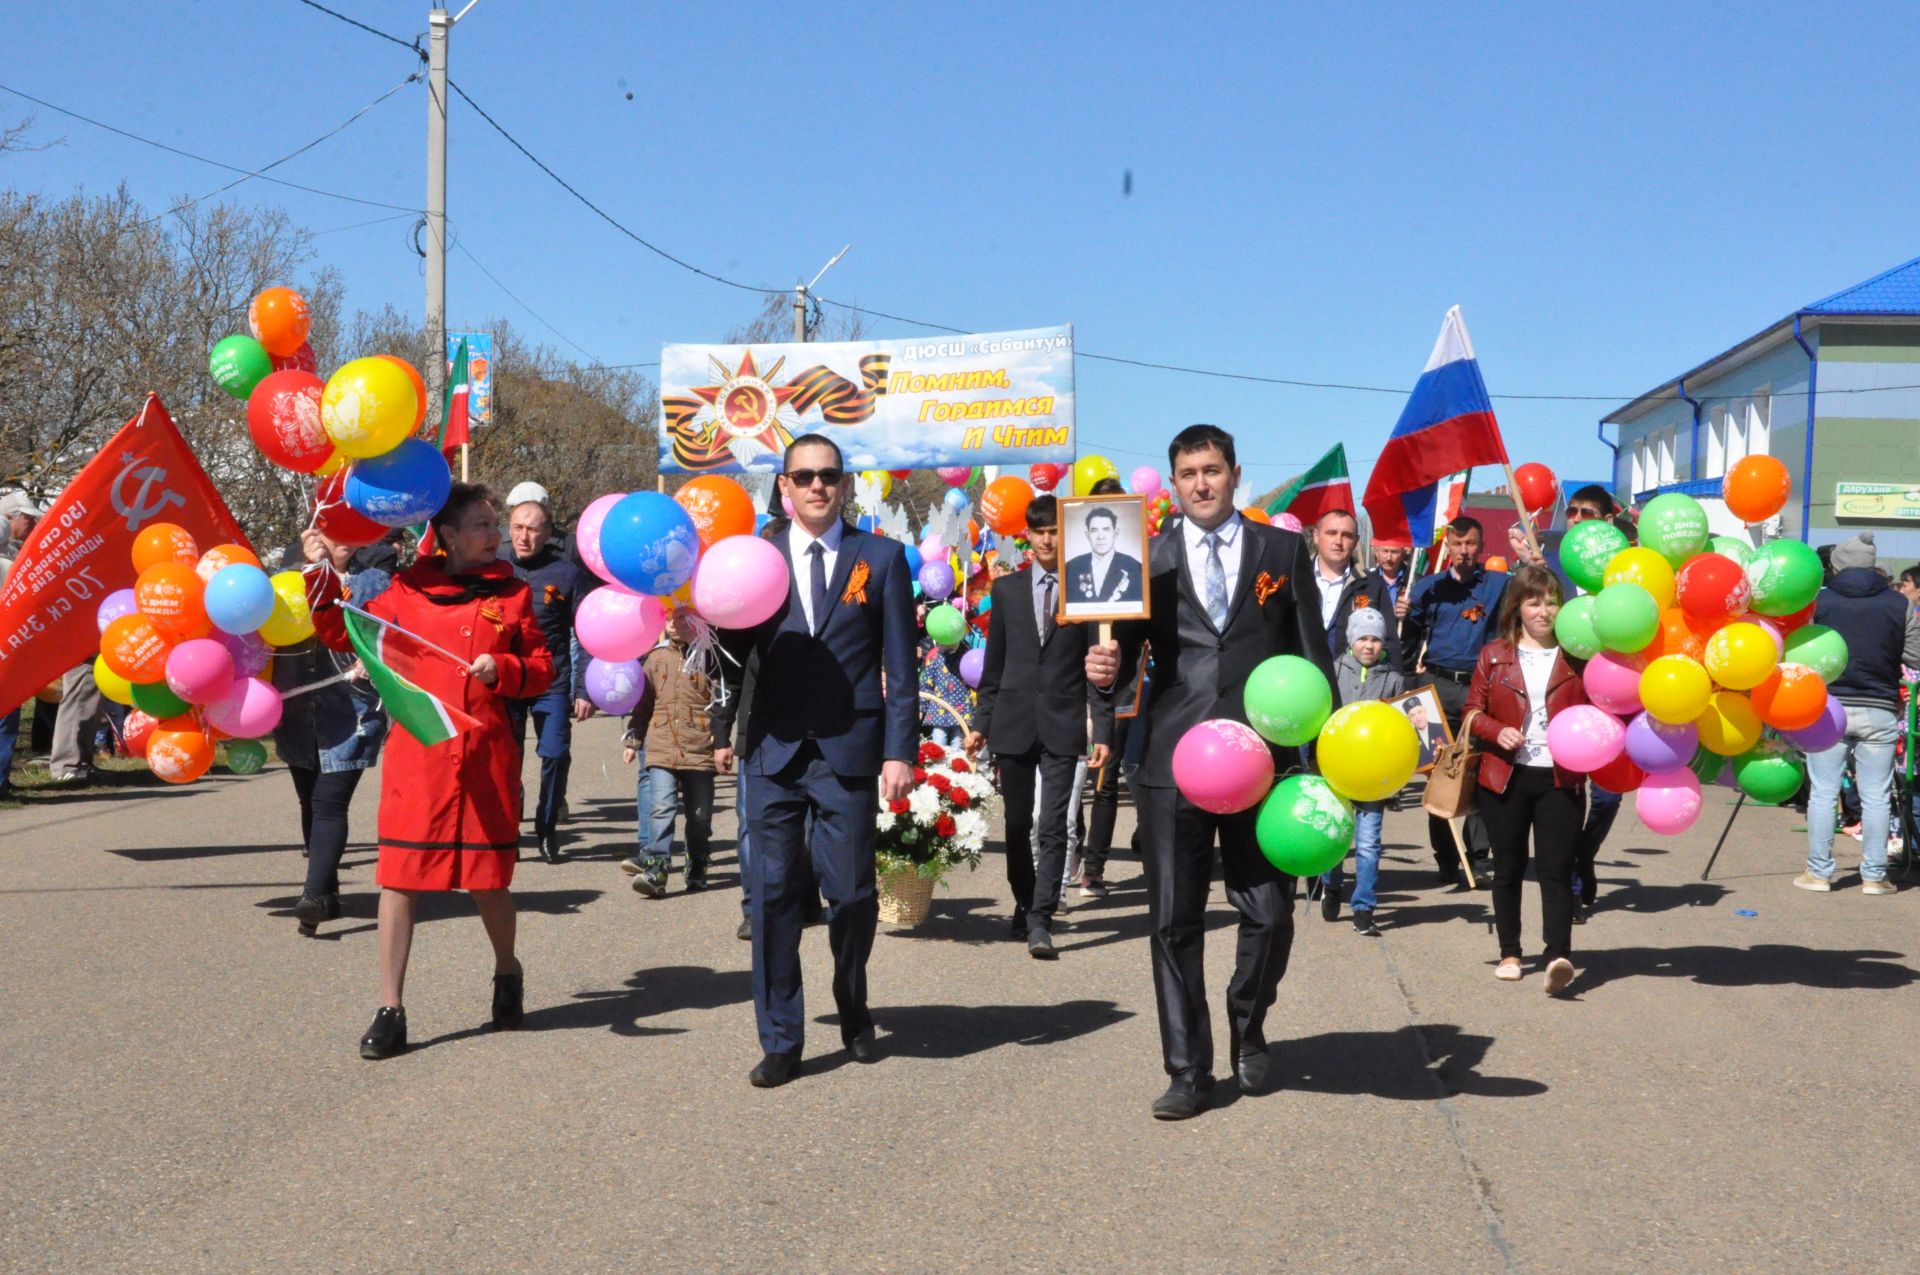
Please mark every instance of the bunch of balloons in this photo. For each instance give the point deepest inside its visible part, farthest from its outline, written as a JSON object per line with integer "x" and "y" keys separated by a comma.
{"x": 1158, "y": 509}
{"x": 1701, "y": 657}
{"x": 189, "y": 648}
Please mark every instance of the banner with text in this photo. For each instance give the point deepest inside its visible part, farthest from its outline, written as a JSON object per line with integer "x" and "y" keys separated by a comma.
{"x": 81, "y": 550}
{"x": 479, "y": 373}
{"x": 996, "y": 398}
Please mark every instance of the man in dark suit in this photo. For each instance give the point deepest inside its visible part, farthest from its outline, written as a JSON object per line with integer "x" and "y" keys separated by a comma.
{"x": 823, "y": 741}
{"x": 1034, "y": 699}
{"x": 1104, "y": 575}
{"x": 1226, "y": 594}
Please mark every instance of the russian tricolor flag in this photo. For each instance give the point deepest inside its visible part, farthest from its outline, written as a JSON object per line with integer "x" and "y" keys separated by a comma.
{"x": 1447, "y": 426}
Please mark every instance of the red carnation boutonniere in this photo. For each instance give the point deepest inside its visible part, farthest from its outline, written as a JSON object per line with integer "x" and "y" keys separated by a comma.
{"x": 1265, "y": 586}
{"x": 856, "y": 590}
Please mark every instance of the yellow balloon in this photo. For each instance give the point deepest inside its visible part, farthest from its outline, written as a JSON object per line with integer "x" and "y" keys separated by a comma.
{"x": 111, "y": 684}
{"x": 1089, "y": 470}
{"x": 367, "y": 408}
{"x": 333, "y": 465}
{"x": 1729, "y": 727}
{"x": 1368, "y": 751}
{"x": 1645, "y": 568}
{"x": 1674, "y": 689}
{"x": 1741, "y": 656}
{"x": 291, "y": 621}
{"x": 882, "y": 479}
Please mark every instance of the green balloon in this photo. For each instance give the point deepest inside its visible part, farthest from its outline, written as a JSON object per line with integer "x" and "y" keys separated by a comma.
{"x": 1819, "y": 648}
{"x": 246, "y": 756}
{"x": 1304, "y": 827}
{"x": 1574, "y": 626}
{"x": 946, "y": 626}
{"x": 1674, "y": 526}
{"x": 1288, "y": 700}
{"x": 1625, "y": 617}
{"x": 156, "y": 699}
{"x": 1586, "y": 550}
{"x": 1736, "y": 547}
{"x": 1785, "y": 575}
{"x": 1770, "y": 773}
{"x": 1707, "y": 765}
{"x": 239, "y": 363}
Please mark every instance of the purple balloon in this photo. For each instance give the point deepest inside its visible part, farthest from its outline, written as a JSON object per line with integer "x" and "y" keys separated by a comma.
{"x": 936, "y": 579}
{"x": 1823, "y": 734}
{"x": 116, "y": 604}
{"x": 972, "y": 665}
{"x": 250, "y": 652}
{"x": 615, "y": 686}
{"x": 1657, "y": 747}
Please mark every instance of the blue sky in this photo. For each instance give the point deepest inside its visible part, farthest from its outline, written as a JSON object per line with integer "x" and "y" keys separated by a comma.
{"x": 1611, "y": 193}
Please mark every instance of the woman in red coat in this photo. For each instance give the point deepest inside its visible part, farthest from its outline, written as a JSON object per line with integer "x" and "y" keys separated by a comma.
{"x": 1521, "y": 682}
{"x": 450, "y": 814}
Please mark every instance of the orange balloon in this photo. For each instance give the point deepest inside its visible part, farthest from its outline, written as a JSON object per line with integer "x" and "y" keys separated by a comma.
{"x": 179, "y": 750}
{"x": 224, "y": 556}
{"x": 1792, "y": 698}
{"x": 280, "y": 320}
{"x": 1005, "y": 504}
{"x": 164, "y": 542}
{"x": 1756, "y": 488}
{"x": 1257, "y": 515}
{"x": 132, "y": 647}
{"x": 419, "y": 387}
{"x": 1680, "y": 635}
{"x": 719, "y": 507}
{"x": 173, "y": 597}
{"x": 1495, "y": 563}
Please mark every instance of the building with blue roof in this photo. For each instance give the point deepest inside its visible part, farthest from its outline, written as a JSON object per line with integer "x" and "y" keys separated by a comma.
{"x": 1832, "y": 389}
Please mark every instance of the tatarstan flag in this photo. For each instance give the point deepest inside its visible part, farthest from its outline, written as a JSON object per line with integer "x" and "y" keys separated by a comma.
{"x": 453, "y": 417}
{"x": 1322, "y": 488}
{"x": 389, "y": 653}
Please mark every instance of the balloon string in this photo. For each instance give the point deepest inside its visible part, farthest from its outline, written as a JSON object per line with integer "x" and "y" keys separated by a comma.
{"x": 704, "y": 654}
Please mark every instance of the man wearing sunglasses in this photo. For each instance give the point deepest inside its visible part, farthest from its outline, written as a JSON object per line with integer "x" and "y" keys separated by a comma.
{"x": 826, "y": 740}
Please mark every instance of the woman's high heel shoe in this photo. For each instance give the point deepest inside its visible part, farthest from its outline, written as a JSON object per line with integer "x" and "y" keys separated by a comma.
{"x": 387, "y": 1036}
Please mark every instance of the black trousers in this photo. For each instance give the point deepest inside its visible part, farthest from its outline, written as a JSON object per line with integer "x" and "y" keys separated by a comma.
{"x": 1533, "y": 805}
{"x": 1036, "y": 858}
{"x": 1106, "y": 803}
{"x": 1179, "y": 849}
{"x": 324, "y": 799}
{"x": 1453, "y": 701}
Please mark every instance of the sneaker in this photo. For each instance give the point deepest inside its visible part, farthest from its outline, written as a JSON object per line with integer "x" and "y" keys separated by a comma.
{"x": 1363, "y": 923}
{"x": 651, "y": 881}
{"x": 1559, "y": 974}
{"x": 1094, "y": 887}
{"x": 696, "y": 878}
{"x": 1508, "y": 970}
{"x": 1808, "y": 881}
{"x": 1074, "y": 861}
{"x": 1879, "y": 887}
{"x": 632, "y": 865}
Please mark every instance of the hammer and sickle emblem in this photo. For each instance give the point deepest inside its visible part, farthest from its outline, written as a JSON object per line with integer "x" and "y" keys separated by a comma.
{"x": 138, "y": 510}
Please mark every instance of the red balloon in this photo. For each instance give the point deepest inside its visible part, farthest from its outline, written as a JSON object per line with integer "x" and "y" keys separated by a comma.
{"x": 1711, "y": 585}
{"x": 1619, "y": 775}
{"x": 1798, "y": 620}
{"x": 283, "y": 415}
{"x": 301, "y": 360}
{"x": 1537, "y": 486}
{"x": 901, "y": 473}
{"x": 337, "y": 522}
{"x": 139, "y": 729}
{"x": 1043, "y": 476}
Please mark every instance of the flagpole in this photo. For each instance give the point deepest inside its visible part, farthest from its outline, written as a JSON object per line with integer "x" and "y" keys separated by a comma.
{"x": 463, "y": 463}
{"x": 442, "y": 651}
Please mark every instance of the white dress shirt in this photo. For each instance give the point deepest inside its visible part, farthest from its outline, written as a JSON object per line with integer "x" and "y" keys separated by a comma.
{"x": 1330, "y": 591}
{"x": 799, "y": 540}
{"x": 1230, "y": 545}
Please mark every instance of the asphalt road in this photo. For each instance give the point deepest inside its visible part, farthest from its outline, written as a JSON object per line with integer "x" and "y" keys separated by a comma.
{"x": 182, "y": 1090}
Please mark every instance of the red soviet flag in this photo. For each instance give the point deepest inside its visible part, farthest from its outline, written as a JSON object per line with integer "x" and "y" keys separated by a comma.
{"x": 82, "y": 550}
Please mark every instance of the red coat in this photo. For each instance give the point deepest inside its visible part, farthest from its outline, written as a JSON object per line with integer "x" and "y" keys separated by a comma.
{"x": 450, "y": 814}
{"x": 1499, "y": 691}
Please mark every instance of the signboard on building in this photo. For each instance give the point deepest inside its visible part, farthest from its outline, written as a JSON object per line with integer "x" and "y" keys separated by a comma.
{"x": 1876, "y": 502}
{"x": 479, "y": 373}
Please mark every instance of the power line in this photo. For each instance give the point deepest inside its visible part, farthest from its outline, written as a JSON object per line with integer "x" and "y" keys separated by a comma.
{"x": 175, "y": 150}
{"x": 468, "y": 254}
{"x": 413, "y": 44}
{"x": 377, "y": 221}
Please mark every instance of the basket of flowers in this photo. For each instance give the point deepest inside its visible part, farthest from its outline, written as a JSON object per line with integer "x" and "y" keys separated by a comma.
{"x": 940, "y": 825}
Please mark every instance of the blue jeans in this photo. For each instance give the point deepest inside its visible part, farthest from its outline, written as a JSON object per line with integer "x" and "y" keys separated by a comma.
{"x": 1870, "y": 737}
{"x": 677, "y": 793}
{"x": 1367, "y": 818}
{"x": 642, "y": 807}
{"x": 9, "y": 732}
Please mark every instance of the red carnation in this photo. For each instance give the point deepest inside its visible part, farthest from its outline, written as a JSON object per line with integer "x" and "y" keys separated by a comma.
{"x": 959, "y": 766}
{"x": 931, "y": 751}
{"x": 939, "y": 783}
{"x": 919, "y": 775}
{"x": 898, "y": 805}
{"x": 958, "y": 797}
{"x": 944, "y": 826}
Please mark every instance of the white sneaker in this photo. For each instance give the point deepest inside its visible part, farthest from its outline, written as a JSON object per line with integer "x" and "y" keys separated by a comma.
{"x": 1808, "y": 881}
{"x": 1074, "y": 860}
{"x": 1559, "y": 974}
{"x": 1879, "y": 887}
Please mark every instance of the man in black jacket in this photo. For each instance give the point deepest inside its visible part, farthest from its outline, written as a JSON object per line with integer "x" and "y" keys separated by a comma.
{"x": 1034, "y": 702}
{"x": 1344, "y": 587}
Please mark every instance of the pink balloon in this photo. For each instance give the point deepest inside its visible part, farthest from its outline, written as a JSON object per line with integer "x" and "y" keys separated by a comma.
{"x": 1287, "y": 522}
{"x": 786, "y": 504}
{"x": 1772, "y": 630}
{"x": 251, "y": 653}
{"x": 1669, "y": 802}
{"x": 615, "y": 625}
{"x": 1584, "y": 738}
{"x": 1222, "y": 766}
{"x": 199, "y": 670}
{"x": 250, "y": 709}
{"x": 1146, "y": 481}
{"x": 955, "y": 475}
{"x": 739, "y": 582}
{"x": 586, "y": 534}
{"x": 1613, "y": 682}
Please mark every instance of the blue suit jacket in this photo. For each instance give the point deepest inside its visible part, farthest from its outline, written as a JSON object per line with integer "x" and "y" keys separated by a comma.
{"x": 828, "y": 688}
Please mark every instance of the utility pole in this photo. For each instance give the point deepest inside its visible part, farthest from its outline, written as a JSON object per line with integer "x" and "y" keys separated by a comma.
{"x": 439, "y": 26}
{"x": 800, "y": 291}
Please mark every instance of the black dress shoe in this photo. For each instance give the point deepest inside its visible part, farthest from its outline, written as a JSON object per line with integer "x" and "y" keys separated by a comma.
{"x": 387, "y": 1036}
{"x": 550, "y": 848}
{"x": 312, "y": 910}
{"x": 1040, "y": 946}
{"x": 1449, "y": 873}
{"x": 774, "y": 1070}
{"x": 1330, "y": 904}
{"x": 1017, "y": 927}
{"x": 1251, "y": 1068}
{"x": 865, "y": 1048}
{"x": 1184, "y": 1099}
{"x": 745, "y": 932}
{"x": 509, "y": 991}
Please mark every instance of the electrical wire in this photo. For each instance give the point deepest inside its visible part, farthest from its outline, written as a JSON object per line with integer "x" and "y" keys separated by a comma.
{"x": 377, "y": 221}
{"x": 413, "y": 44}
{"x": 468, "y": 254}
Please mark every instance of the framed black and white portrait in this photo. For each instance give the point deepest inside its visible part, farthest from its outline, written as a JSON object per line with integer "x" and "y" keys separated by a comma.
{"x": 1422, "y": 707}
{"x": 1103, "y": 549}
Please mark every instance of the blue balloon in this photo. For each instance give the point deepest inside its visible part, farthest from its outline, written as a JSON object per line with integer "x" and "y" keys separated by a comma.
{"x": 956, "y": 500}
{"x": 913, "y": 559}
{"x": 405, "y": 486}
{"x": 648, "y": 543}
{"x": 239, "y": 598}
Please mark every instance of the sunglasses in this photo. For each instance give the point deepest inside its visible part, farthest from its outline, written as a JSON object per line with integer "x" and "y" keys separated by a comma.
{"x": 803, "y": 478}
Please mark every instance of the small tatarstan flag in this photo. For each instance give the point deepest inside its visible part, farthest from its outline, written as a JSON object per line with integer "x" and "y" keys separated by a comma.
{"x": 1324, "y": 487}
{"x": 389, "y": 653}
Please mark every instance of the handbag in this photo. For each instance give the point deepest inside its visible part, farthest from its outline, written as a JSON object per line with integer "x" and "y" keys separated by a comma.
{"x": 1453, "y": 783}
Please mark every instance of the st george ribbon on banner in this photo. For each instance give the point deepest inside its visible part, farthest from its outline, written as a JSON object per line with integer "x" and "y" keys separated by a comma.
{"x": 82, "y": 549}
{"x": 1447, "y": 426}
{"x": 1001, "y": 398}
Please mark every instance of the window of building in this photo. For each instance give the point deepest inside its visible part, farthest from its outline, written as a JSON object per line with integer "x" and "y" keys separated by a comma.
{"x": 1717, "y": 458}
{"x": 1759, "y": 423}
{"x": 1669, "y": 442}
{"x": 1642, "y": 471}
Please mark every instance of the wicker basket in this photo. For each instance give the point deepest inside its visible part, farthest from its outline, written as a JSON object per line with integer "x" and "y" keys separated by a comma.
{"x": 905, "y": 897}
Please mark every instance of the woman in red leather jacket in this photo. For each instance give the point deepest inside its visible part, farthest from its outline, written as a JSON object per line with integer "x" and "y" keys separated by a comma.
{"x": 1522, "y": 681}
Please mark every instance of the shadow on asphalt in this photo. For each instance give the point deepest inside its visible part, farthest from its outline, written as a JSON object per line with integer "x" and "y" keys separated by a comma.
{"x": 1636, "y": 896}
{"x": 169, "y": 854}
{"x": 649, "y": 993}
{"x": 1764, "y": 965}
{"x": 1388, "y": 1065}
{"x": 957, "y": 1031}
{"x": 439, "y": 905}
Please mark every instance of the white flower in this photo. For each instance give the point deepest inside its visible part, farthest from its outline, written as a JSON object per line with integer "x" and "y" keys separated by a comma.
{"x": 977, "y": 787}
{"x": 970, "y": 829}
{"x": 924, "y": 802}
{"x": 884, "y": 821}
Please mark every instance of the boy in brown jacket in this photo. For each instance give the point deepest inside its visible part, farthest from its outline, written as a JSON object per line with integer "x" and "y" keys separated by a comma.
{"x": 671, "y": 726}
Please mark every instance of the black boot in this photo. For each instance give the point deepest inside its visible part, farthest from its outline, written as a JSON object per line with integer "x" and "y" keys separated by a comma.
{"x": 387, "y": 1036}
{"x": 509, "y": 991}
{"x": 311, "y": 910}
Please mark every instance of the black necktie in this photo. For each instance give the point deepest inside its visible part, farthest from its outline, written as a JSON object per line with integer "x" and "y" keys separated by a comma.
{"x": 1046, "y": 607}
{"x": 818, "y": 552}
